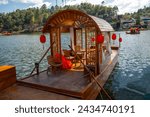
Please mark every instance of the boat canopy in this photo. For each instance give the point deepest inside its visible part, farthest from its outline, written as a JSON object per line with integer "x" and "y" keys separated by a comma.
{"x": 84, "y": 30}
{"x": 76, "y": 19}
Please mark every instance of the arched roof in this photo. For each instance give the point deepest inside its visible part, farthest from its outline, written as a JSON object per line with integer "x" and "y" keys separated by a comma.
{"x": 76, "y": 19}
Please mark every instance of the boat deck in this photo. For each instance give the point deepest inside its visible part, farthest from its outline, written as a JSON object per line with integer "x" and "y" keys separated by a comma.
{"x": 64, "y": 84}
{"x": 19, "y": 92}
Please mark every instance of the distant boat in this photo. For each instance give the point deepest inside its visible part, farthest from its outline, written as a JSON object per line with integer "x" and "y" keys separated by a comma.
{"x": 133, "y": 31}
{"x": 6, "y": 33}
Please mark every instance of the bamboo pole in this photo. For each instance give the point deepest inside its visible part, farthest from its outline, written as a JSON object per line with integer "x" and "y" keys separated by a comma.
{"x": 42, "y": 58}
{"x": 91, "y": 74}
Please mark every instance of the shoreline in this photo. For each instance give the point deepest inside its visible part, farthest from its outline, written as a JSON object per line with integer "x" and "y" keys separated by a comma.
{"x": 38, "y": 32}
{"x": 18, "y": 33}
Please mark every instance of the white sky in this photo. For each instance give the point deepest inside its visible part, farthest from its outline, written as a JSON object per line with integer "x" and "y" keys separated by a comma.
{"x": 123, "y": 5}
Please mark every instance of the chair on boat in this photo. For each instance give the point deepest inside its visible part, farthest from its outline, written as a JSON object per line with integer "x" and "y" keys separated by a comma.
{"x": 79, "y": 55}
{"x": 54, "y": 64}
{"x": 68, "y": 55}
{"x": 91, "y": 56}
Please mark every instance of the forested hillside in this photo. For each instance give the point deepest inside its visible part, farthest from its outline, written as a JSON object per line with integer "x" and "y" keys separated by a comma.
{"x": 32, "y": 19}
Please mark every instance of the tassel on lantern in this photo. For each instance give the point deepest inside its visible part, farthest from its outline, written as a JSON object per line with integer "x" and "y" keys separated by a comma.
{"x": 109, "y": 48}
{"x": 103, "y": 56}
{"x": 43, "y": 46}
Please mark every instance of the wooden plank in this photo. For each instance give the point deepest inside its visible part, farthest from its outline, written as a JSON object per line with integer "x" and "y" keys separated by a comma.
{"x": 6, "y": 70}
{"x": 18, "y": 92}
{"x": 7, "y": 73}
{"x": 7, "y": 76}
{"x": 7, "y": 82}
{"x": 92, "y": 90}
{"x": 52, "y": 89}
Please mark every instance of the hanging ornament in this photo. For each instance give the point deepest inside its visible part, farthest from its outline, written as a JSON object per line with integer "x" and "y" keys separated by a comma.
{"x": 114, "y": 36}
{"x": 100, "y": 38}
{"x": 120, "y": 39}
{"x": 92, "y": 39}
{"x": 43, "y": 39}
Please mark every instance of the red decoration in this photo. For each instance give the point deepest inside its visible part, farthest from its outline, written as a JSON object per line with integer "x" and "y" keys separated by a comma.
{"x": 92, "y": 39}
{"x": 100, "y": 38}
{"x": 137, "y": 29}
{"x": 120, "y": 39}
{"x": 42, "y": 38}
{"x": 114, "y": 36}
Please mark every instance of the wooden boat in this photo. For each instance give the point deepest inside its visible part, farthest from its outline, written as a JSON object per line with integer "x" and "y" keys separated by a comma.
{"x": 6, "y": 33}
{"x": 88, "y": 74}
{"x": 133, "y": 31}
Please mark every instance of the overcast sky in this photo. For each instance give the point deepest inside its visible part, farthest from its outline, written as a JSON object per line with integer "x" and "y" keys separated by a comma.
{"x": 123, "y": 5}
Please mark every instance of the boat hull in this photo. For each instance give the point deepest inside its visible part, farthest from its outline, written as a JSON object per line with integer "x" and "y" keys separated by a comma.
{"x": 132, "y": 33}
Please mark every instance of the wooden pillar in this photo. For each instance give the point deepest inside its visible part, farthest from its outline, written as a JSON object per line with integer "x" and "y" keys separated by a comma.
{"x": 75, "y": 37}
{"x": 59, "y": 40}
{"x": 109, "y": 34}
{"x": 81, "y": 38}
{"x": 72, "y": 37}
{"x": 101, "y": 60}
{"x": 86, "y": 44}
{"x": 97, "y": 55}
{"x": 51, "y": 40}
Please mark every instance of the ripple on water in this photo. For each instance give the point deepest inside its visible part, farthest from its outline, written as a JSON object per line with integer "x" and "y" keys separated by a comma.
{"x": 134, "y": 62}
{"x": 134, "y": 58}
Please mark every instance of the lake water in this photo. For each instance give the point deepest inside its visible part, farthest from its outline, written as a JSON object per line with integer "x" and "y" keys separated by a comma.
{"x": 133, "y": 64}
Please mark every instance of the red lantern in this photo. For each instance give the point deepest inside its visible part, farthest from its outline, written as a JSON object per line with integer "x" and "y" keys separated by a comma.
{"x": 100, "y": 38}
{"x": 114, "y": 36}
{"x": 42, "y": 38}
{"x": 120, "y": 39}
{"x": 92, "y": 39}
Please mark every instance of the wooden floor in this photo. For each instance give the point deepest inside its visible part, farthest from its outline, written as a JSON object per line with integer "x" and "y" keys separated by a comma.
{"x": 69, "y": 84}
{"x": 64, "y": 82}
{"x": 19, "y": 92}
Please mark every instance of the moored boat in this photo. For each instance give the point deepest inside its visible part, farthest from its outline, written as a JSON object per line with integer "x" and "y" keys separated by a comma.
{"x": 6, "y": 33}
{"x": 133, "y": 31}
{"x": 78, "y": 72}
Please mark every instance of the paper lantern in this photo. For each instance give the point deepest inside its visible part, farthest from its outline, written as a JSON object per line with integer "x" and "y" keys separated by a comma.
{"x": 100, "y": 38}
{"x": 92, "y": 39}
{"x": 120, "y": 39}
{"x": 114, "y": 36}
{"x": 42, "y": 38}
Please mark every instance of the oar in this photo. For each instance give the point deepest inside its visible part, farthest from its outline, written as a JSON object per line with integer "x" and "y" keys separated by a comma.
{"x": 42, "y": 57}
{"x": 91, "y": 74}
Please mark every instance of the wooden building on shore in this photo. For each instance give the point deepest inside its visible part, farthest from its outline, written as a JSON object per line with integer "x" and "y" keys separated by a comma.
{"x": 76, "y": 72}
